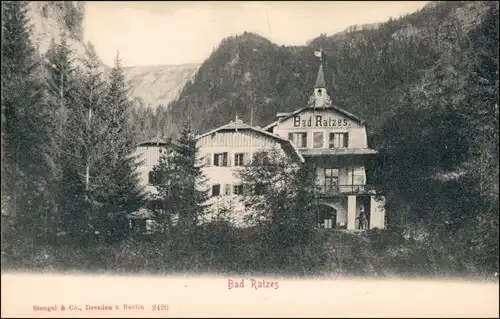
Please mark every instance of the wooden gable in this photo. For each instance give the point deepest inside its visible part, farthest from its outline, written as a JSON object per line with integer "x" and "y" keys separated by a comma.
{"x": 324, "y": 118}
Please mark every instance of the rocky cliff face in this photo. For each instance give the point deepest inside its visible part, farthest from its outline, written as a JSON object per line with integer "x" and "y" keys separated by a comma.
{"x": 161, "y": 84}
{"x": 153, "y": 85}
{"x": 51, "y": 19}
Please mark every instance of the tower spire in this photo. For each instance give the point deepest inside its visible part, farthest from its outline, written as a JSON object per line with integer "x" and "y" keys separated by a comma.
{"x": 320, "y": 79}
{"x": 320, "y": 97}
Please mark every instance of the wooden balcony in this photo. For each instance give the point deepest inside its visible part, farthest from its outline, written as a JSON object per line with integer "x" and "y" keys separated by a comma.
{"x": 339, "y": 190}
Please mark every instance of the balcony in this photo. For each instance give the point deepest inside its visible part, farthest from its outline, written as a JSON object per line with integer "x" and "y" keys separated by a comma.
{"x": 336, "y": 190}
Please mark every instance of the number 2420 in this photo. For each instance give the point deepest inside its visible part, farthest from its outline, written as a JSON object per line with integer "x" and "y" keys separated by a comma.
{"x": 161, "y": 307}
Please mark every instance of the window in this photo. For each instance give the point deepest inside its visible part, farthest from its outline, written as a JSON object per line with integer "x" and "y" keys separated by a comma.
{"x": 300, "y": 139}
{"x": 238, "y": 190}
{"x": 331, "y": 179}
{"x": 318, "y": 139}
{"x": 239, "y": 159}
{"x": 152, "y": 179}
{"x": 227, "y": 189}
{"x": 339, "y": 140}
{"x": 208, "y": 158}
{"x": 216, "y": 190}
{"x": 220, "y": 159}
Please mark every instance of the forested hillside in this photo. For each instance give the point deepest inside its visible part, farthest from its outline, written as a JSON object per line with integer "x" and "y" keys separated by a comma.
{"x": 427, "y": 85}
{"x": 367, "y": 71}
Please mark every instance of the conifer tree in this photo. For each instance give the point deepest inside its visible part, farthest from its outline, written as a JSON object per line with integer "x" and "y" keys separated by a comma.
{"x": 25, "y": 126}
{"x": 61, "y": 80}
{"x": 119, "y": 173}
{"x": 163, "y": 204}
{"x": 181, "y": 184}
{"x": 191, "y": 181}
{"x": 61, "y": 83}
{"x": 84, "y": 151}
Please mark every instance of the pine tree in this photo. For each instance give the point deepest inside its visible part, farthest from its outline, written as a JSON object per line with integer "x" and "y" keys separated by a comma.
{"x": 163, "y": 204}
{"x": 119, "y": 173}
{"x": 61, "y": 83}
{"x": 25, "y": 126}
{"x": 191, "y": 180}
{"x": 61, "y": 80}
{"x": 181, "y": 185}
{"x": 84, "y": 151}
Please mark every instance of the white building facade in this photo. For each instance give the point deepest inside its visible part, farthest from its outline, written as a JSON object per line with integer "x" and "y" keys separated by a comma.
{"x": 225, "y": 151}
{"x": 335, "y": 141}
{"x": 148, "y": 154}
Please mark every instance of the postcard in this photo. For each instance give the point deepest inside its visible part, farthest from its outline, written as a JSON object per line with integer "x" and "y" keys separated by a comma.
{"x": 249, "y": 159}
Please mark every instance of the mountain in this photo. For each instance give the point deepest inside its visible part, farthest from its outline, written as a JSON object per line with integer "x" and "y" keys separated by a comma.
{"x": 159, "y": 84}
{"x": 367, "y": 70}
{"x": 51, "y": 19}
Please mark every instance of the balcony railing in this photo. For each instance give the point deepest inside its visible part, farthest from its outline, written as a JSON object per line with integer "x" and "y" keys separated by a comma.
{"x": 326, "y": 191}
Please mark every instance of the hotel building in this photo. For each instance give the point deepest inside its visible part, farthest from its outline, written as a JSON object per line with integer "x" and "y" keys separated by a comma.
{"x": 334, "y": 140}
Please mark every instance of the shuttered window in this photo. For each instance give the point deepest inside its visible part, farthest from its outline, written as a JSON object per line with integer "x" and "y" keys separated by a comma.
{"x": 239, "y": 159}
{"x": 220, "y": 159}
{"x": 346, "y": 140}
{"x": 339, "y": 140}
{"x": 299, "y": 139}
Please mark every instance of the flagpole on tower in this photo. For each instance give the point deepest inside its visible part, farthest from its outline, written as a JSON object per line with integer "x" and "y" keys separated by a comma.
{"x": 319, "y": 54}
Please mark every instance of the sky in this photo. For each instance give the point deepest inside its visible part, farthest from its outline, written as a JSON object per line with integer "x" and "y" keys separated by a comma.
{"x": 177, "y": 32}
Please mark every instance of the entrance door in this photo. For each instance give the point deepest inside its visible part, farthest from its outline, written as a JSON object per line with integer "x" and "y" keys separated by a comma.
{"x": 327, "y": 217}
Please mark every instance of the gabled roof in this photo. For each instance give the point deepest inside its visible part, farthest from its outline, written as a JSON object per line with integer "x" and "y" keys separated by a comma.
{"x": 233, "y": 125}
{"x": 156, "y": 141}
{"x": 305, "y": 108}
{"x": 239, "y": 125}
{"x": 270, "y": 125}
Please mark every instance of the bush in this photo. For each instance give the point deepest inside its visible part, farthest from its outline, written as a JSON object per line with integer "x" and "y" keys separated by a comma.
{"x": 220, "y": 248}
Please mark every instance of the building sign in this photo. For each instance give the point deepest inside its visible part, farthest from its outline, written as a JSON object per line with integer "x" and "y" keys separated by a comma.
{"x": 319, "y": 121}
